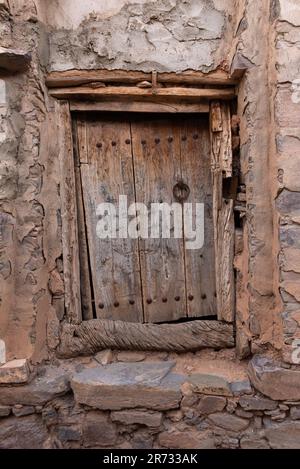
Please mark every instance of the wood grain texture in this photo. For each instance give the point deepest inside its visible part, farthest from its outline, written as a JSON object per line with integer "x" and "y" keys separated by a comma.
{"x": 140, "y": 106}
{"x": 93, "y": 336}
{"x": 224, "y": 269}
{"x": 196, "y": 173}
{"x": 132, "y": 92}
{"x": 157, "y": 168}
{"x": 79, "y": 128}
{"x": 69, "y": 214}
{"x": 114, "y": 262}
{"x": 223, "y": 210}
{"x": 83, "y": 77}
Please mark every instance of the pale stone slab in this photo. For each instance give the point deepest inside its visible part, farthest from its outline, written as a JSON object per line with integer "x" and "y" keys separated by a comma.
{"x": 2, "y": 350}
{"x": 42, "y": 389}
{"x": 129, "y": 385}
{"x": 273, "y": 381}
{"x": 104, "y": 357}
{"x": 14, "y": 372}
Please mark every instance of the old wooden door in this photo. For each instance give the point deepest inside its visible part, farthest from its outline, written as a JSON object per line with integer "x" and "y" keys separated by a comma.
{"x": 150, "y": 160}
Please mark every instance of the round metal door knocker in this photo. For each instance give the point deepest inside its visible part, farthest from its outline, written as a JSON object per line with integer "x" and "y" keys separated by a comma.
{"x": 181, "y": 191}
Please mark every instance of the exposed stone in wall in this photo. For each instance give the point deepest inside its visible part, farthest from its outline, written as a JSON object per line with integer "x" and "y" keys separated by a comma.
{"x": 44, "y": 413}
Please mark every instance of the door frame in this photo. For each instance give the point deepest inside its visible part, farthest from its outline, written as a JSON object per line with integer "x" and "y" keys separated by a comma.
{"x": 150, "y": 97}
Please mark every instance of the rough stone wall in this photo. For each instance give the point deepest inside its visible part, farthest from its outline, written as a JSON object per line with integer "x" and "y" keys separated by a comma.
{"x": 258, "y": 304}
{"x": 205, "y": 401}
{"x": 287, "y": 125}
{"x": 30, "y": 242}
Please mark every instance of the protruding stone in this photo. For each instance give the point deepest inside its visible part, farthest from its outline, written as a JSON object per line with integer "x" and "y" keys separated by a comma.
{"x": 257, "y": 403}
{"x": 130, "y": 417}
{"x": 211, "y": 404}
{"x": 125, "y": 386}
{"x": 42, "y": 389}
{"x": 14, "y": 372}
{"x": 210, "y": 384}
{"x": 14, "y": 60}
{"x": 274, "y": 381}
{"x": 229, "y": 422}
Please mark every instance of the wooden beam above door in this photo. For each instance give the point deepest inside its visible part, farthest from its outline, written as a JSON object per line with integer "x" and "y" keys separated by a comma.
{"x": 128, "y": 92}
{"x": 75, "y": 77}
{"x": 160, "y": 106}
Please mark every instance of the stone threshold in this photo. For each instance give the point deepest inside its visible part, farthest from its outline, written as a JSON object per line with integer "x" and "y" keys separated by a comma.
{"x": 153, "y": 385}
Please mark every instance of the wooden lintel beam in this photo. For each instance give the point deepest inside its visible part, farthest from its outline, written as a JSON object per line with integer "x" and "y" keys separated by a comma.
{"x": 85, "y": 92}
{"x": 92, "y": 336}
{"x": 71, "y": 78}
{"x": 139, "y": 106}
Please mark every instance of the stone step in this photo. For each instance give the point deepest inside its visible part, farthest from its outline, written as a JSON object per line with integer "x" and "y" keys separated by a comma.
{"x": 117, "y": 386}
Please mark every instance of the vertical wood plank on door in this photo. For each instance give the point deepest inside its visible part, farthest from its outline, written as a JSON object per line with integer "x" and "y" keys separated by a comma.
{"x": 114, "y": 262}
{"x": 85, "y": 280}
{"x": 69, "y": 214}
{"x": 196, "y": 173}
{"x": 221, "y": 160}
{"x": 156, "y": 151}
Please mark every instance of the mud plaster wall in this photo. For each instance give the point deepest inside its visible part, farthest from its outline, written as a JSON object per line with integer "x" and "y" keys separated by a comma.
{"x": 166, "y": 35}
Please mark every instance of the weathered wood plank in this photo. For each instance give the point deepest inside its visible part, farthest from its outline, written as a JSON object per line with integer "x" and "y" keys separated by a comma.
{"x": 68, "y": 214}
{"x": 190, "y": 77}
{"x": 221, "y": 138}
{"x": 132, "y": 92}
{"x": 92, "y": 336}
{"x": 226, "y": 143}
{"x": 157, "y": 168}
{"x": 196, "y": 173}
{"x": 82, "y": 138}
{"x": 85, "y": 280}
{"x": 224, "y": 267}
{"x": 223, "y": 214}
{"x": 114, "y": 262}
{"x": 140, "y": 106}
